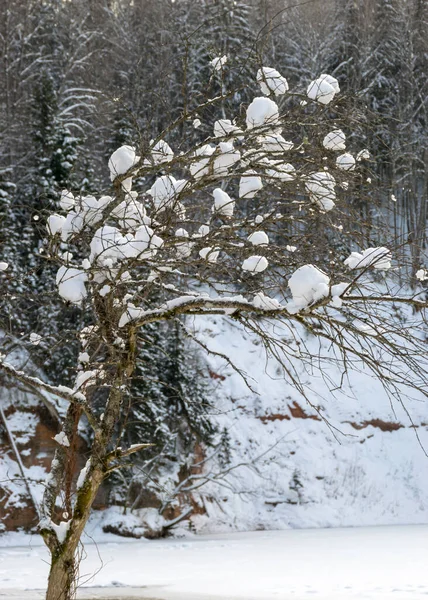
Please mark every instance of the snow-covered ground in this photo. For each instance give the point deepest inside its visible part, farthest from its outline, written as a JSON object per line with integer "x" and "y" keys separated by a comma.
{"x": 369, "y": 563}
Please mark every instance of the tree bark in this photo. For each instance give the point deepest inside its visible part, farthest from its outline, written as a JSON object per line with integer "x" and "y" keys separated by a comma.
{"x": 62, "y": 577}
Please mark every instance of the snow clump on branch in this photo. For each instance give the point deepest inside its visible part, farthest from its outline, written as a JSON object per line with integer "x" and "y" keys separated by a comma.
{"x": 132, "y": 237}
{"x": 255, "y": 264}
{"x": 274, "y": 142}
{"x": 161, "y": 152}
{"x": 345, "y": 162}
{"x": 165, "y": 191}
{"x": 262, "y": 111}
{"x": 335, "y": 140}
{"x": 379, "y": 258}
{"x": 122, "y": 159}
{"x": 225, "y": 128}
{"x": 321, "y": 189}
{"x": 422, "y": 275}
{"x": 67, "y": 200}
{"x": 218, "y": 62}
{"x": 201, "y": 167}
{"x": 223, "y": 203}
{"x": 271, "y": 81}
{"x": 249, "y": 184}
{"x": 307, "y": 285}
{"x": 323, "y": 89}
{"x": 71, "y": 284}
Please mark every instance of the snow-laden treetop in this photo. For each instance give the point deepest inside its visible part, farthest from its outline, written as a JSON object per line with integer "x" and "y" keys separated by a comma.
{"x": 209, "y": 213}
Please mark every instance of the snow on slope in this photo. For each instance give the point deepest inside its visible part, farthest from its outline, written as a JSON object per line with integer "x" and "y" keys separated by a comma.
{"x": 304, "y": 472}
{"x": 363, "y": 465}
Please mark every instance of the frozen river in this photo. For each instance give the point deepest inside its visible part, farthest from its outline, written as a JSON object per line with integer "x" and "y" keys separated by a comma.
{"x": 368, "y": 563}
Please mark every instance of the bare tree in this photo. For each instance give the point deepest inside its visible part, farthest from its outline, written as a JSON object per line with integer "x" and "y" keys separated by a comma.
{"x": 236, "y": 236}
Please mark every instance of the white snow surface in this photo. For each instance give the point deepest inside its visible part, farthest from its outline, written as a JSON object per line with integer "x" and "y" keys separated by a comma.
{"x": 302, "y": 471}
{"x": 377, "y": 563}
{"x": 295, "y": 472}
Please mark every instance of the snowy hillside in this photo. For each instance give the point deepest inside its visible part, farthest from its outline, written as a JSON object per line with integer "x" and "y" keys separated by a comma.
{"x": 363, "y": 464}
{"x": 357, "y": 459}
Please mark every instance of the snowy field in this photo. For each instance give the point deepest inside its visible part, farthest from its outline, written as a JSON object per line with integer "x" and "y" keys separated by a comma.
{"x": 368, "y": 563}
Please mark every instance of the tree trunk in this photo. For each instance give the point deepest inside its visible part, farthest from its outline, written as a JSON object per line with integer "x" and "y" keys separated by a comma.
{"x": 62, "y": 577}
{"x": 64, "y": 569}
